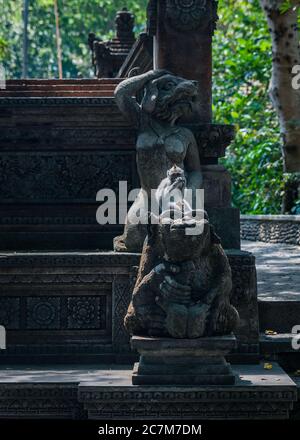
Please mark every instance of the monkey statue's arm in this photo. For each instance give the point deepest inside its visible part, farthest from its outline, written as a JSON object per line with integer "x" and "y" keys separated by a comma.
{"x": 127, "y": 90}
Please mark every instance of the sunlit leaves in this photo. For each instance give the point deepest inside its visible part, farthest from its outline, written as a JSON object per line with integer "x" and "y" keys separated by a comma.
{"x": 242, "y": 70}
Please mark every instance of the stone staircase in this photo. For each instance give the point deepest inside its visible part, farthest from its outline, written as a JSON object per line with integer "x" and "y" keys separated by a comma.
{"x": 60, "y": 142}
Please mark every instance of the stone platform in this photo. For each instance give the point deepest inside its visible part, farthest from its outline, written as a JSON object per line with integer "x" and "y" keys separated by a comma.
{"x": 166, "y": 361}
{"x": 69, "y": 307}
{"x": 105, "y": 392}
{"x": 257, "y": 394}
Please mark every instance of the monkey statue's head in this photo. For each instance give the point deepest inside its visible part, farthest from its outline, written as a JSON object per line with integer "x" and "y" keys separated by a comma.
{"x": 183, "y": 239}
{"x": 169, "y": 98}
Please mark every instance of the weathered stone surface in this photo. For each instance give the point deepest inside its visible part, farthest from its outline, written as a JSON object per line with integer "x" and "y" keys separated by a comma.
{"x": 184, "y": 283}
{"x": 244, "y": 298}
{"x": 210, "y": 346}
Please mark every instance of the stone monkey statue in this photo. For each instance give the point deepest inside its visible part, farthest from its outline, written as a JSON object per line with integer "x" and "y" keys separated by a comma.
{"x": 184, "y": 285}
{"x": 154, "y": 102}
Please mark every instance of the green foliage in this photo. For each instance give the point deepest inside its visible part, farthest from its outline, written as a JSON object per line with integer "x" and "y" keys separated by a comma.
{"x": 77, "y": 19}
{"x": 242, "y": 70}
{"x": 11, "y": 35}
{"x": 3, "y": 49}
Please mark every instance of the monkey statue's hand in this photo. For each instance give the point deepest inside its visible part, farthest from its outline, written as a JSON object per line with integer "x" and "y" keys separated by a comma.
{"x": 172, "y": 292}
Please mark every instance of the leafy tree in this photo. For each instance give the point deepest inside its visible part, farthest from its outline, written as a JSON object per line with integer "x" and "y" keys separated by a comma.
{"x": 77, "y": 19}
{"x": 242, "y": 70}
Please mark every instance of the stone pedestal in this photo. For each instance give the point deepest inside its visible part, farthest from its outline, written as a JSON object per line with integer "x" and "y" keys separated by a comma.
{"x": 166, "y": 361}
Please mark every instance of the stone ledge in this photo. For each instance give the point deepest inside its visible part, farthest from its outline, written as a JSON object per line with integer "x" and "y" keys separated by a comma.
{"x": 271, "y": 228}
{"x": 105, "y": 392}
{"x": 283, "y": 218}
{"x": 258, "y": 394}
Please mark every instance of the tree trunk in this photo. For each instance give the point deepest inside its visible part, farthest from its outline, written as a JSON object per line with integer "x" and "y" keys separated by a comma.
{"x": 286, "y": 54}
{"x": 58, "y": 40}
{"x": 25, "y": 38}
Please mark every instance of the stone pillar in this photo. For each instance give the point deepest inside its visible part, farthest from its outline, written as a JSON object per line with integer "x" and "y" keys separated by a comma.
{"x": 183, "y": 31}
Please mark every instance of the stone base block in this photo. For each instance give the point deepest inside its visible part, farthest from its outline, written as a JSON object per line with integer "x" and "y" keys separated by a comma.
{"x": 257, "y": 394}
{"x": 166, "y": 361}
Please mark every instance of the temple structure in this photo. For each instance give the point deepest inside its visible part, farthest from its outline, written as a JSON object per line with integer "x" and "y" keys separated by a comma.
{"x": 64, "y": 293}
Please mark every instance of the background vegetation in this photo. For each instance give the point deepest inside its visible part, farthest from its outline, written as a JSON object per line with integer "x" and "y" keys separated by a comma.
{"x": 242, "y": 70}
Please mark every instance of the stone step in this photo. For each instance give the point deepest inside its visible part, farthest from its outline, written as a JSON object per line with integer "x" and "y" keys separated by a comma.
{"x": 63, "y": 88}
{"x": 85, "y": 81}
{"x": 104, "y": 391}
{"x": 279, "y": 315}
{"x": 58, "y": 87}
{"x": 63, "y": 93}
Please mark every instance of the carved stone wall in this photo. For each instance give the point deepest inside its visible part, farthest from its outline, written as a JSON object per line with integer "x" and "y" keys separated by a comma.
{"x": 56, "y": 154}
{"x": 66, "y": 306}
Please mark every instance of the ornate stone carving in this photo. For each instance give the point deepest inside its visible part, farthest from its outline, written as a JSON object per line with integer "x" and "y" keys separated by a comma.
{"x": 186, "y": 14}
{"x": 46, "y": 102}
{"x": 87, "y": 312}
{"x": 43, "y": 312}
{"x": 230, "y": 402}
{"x": 121, "y": 291}
{"x": 191, "y": 15}
{"x": 40, "y": 401}
{"x": 59, "y": 177}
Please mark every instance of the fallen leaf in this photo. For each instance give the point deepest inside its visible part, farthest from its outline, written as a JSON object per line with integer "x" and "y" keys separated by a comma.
{"x": 270, "y": 332}
{"x": 268, "y": 366}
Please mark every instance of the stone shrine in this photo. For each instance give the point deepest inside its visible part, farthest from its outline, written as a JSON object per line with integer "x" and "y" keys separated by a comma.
{"x": 108, "y": 56}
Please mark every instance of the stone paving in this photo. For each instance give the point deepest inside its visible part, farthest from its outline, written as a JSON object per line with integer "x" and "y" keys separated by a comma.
{"x": 278, "y": 269}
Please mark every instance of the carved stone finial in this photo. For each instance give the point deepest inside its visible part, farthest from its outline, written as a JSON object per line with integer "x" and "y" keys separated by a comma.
{"x": 124, "y": 24}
